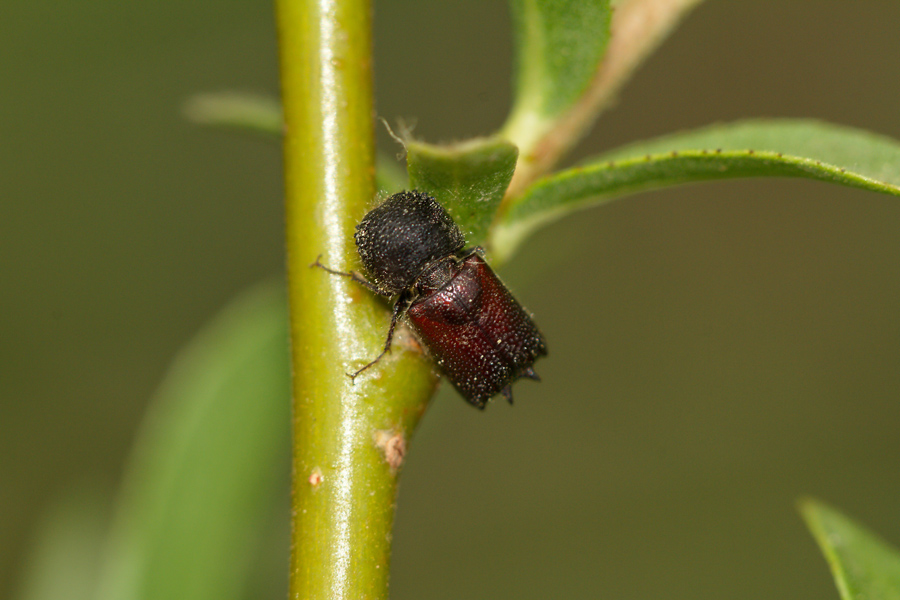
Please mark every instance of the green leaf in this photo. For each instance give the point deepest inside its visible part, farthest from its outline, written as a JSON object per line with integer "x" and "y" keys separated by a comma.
{"x": 558, "y": 45}
{"x": 261, "y": 115}
{"x": 68, "y": 542}
{"x": 235, "y": 110}
{"x": 468, "y": 179}
{"x": 758, "y": 148}
{"x": 210, "y": 460}
{"x": 863, "y": 565}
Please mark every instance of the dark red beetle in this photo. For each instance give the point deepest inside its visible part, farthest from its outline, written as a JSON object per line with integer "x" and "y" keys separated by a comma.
{"x": 480, "y": 336}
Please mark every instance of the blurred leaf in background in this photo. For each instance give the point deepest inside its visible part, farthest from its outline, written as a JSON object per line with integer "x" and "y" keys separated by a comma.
{"x": 722, "y": 348}
{"x": 863, "y": 565}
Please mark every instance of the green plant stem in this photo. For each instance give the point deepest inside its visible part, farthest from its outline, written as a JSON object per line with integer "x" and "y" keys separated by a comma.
{"x": 349, "y": 435}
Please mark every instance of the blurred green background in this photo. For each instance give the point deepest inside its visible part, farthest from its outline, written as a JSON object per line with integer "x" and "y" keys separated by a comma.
{"x": 716, "y": 351}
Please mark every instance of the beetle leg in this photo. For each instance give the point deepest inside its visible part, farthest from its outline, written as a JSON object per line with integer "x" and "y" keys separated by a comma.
{"x": 399, "y": 308}
{"x": 354, "y": 276}
{"x": 507, "y": 393}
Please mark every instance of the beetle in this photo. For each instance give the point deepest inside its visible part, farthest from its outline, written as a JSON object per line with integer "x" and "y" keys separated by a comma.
{"x": 478, "y": 333}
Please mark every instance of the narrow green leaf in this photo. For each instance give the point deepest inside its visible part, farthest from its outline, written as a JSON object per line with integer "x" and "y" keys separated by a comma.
{"x": 261, "y": 115}
{"x": 65, "y": 556}
{"x": 863, "y": 565}
{"x": 210, "y": 459}
{"x": 759, "y": 148}
{"x": 235, "y": 110}
{"x": 559, "y": 45}
{"x": 468, "y": 179}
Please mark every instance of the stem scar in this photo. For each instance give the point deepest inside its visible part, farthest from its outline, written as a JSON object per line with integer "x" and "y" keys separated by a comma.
{"x": 315, "y": 478}
{"x": 393, "y": 445}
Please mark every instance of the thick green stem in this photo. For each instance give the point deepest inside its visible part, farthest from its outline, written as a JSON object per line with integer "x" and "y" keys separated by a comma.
{"x": 349, "y": 436}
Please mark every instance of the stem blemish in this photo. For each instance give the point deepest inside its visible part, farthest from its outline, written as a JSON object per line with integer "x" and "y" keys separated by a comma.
{"x": 393, "y": 446}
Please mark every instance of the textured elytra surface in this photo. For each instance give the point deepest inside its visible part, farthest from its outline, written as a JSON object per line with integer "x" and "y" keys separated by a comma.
{"x": 399, "y": 238}
{"x": 479, "y": 334}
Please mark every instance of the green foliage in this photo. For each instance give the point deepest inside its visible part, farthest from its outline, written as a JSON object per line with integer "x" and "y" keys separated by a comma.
{"x": 209, "y": 463}
{"x": 66, "y": 552}
{"x": 469, "y": 179}
{"x": 763, "y": 148}
{"x": 252, "y": 113}
{"x": 559, "y": 44}
{"x": 863, "y": 565}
